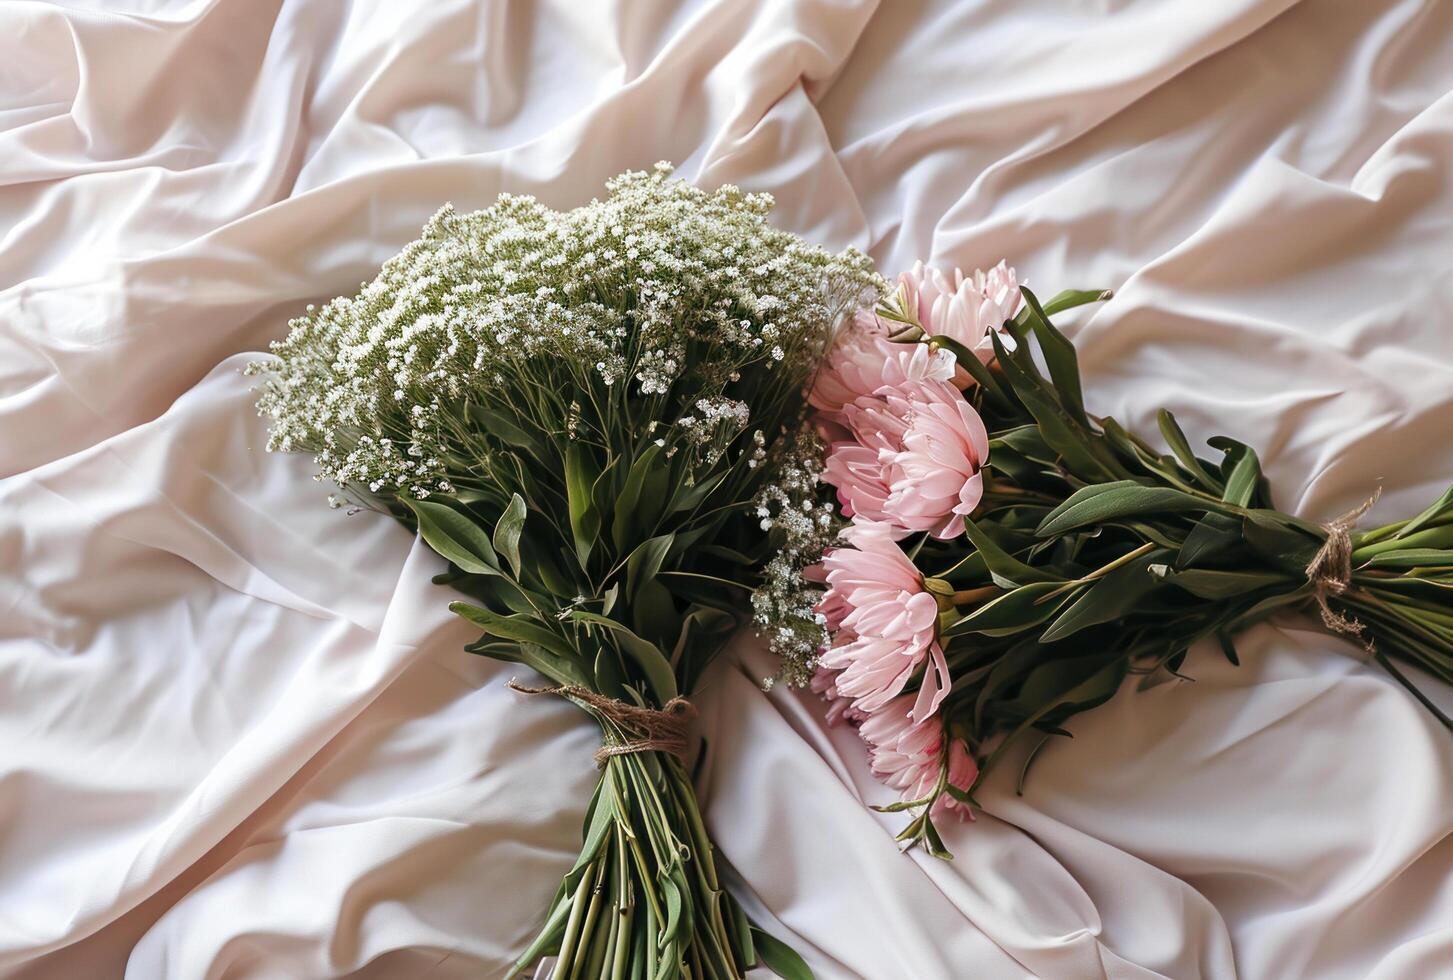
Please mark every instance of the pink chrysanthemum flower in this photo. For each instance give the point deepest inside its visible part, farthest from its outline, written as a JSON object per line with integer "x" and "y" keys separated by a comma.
{"x": 887, "y": 624}
{"x": 967, "y": 309}
{"x": 839, "y": 708}
{"x": 864, "y": 361}
{"x": 913, "y": 459}
{"x": 909, "y": 755}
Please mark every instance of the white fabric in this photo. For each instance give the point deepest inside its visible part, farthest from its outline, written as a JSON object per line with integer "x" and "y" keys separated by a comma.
{"x": 240, "y": 738}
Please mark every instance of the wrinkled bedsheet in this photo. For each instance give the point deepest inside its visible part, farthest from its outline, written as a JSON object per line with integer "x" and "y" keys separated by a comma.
{"x": 238, "y": 736}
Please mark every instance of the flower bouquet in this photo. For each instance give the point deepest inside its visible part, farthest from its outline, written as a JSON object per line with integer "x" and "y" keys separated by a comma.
{"x": 587, "y": 414}
{"x": 624, "y": 425}
{"x": 1011, "y": 558}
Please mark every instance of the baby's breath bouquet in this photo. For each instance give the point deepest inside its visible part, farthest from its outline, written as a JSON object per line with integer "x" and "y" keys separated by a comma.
{"x": 593, "y": 416}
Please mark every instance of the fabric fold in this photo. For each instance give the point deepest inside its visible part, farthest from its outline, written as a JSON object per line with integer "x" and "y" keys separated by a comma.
{"x": 242, "y": 737}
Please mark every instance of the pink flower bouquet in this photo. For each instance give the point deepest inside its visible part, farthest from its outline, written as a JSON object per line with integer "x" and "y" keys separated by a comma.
{"x": 1009, "y": 559}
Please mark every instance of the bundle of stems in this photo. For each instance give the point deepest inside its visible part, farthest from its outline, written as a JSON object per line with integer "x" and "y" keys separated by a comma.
{"x": 610, "y": 917}
{"x": 591, "y": 415}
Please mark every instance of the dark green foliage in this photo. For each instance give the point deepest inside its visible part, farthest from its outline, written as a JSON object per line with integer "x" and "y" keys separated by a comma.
{"x": 1095, "y": 555}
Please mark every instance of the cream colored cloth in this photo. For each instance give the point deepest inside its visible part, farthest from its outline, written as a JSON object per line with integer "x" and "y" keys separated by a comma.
{"x": 238, "y": 736}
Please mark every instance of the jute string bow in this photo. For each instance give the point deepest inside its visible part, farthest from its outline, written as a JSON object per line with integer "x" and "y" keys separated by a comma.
{"x": 661, "y": 729}
{"x": 1330, "y": 570}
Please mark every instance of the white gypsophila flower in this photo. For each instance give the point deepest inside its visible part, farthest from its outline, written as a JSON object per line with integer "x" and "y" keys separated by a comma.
{"x": 662, "y": 287}
{"x": 802, "y": 525}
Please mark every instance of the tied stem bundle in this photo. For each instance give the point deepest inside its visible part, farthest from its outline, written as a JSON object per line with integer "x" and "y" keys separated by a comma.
{"x": 662, "y": 729}
{"x": 1330, "y": 570}
{"x": 594, "y": 416}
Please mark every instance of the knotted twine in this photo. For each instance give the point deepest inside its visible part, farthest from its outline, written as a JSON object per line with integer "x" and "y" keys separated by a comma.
{"x": 1330, "y": 570}
{"x": 661, "y": 729}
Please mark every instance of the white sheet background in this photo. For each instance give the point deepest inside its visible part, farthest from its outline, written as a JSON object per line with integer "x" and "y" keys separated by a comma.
{"x": 239, "y": 736}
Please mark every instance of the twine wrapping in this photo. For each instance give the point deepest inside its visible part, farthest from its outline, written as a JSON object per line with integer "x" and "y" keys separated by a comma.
{"x": 661, "y": 729}
{"x": 1330, "y": 570}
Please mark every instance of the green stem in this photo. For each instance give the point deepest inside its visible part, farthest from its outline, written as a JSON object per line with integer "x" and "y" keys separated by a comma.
{"x": 1391, "y": 631}
{"x": 1438, "y": 536}
{"x": 1402, "y": 679}
{"x": 587, "y": 967}
{"x": 1098, "y": 573}
{"x": 1124, "y": 559}
{"x": 1416, "y": 625}
{"x": 625, "y": 942}
{"x": 965, "y": 597}
{"x": 564, "y": 963}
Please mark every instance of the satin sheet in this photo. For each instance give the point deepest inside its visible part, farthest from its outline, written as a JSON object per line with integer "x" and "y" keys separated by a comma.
{"x": 239, "y": 736}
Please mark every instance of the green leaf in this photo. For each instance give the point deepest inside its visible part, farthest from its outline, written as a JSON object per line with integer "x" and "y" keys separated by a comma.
{"x": 1013, "y": 612}
{"x": 1014, "y": 664}
{"x": 1434, "y": 511}
{"x": 654, "y": 614}
{"x": 691, "y": 498}
{"x": 1213, "y": 535}
{"x": 500, "y": 590}
{"x": 1244, "y": 476}
{"x": 976, "y": 368}
{"x": 1264, "y": 607}
{"x": 1070, "y": 298}
{"x": 1023, "y": 439}
{"x": 648, "y": 657}
{"x": 646, "y": 560}
{"x": 1058, "y": 429}
{"x": 454, "y": 536}
{"x": 1413, "y": 558}
{"x": 555, "y": 581}
{"x": 741, "y": 931}
{"x": 1170, "y": 430}
{"x": 1104, "y": 502}
{"x": 1149, "y": 530}
{"x": 704, "y": 590}
{"x": 1112, "y": 597}
{"x": 602, "y": 818}
{"x": 467, "y": 496}
{"x": 1076, "y": 683}
{"x": 499, "y": 425}
{"x": 1093, "y": 690}
{"x": 628, "y": 524}
{"x": 674, "y": 902}
{"x": 549, "y": 937}
{"x": 1059, "y": 356}
{"x": 729, "y": 555}
{"x": 1280, "y": 538}
{"x": 1015, "y": 468}
{"x": 536, "y": 658}
{"x": 703, "y": 632}
{"x": 581, "y": 473}
{"x": 507, "y": 532}
{"x": 1228, "y": 647}
{"x": 1210, "y": 583}
{"x": 932, "y": 842}
{"x": 607, "y": 672}
{"x": 519, "y": 628}
{"x": 1007, "y": 570}
{"x": 780, "y": 958}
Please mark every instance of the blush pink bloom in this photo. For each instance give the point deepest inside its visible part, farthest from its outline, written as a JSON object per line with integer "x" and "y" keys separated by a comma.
{"x": 887, "y": 624}
{"x": 912, "y": 460}
{"x": 839, "y": 708}
{"x": 966, "y": 308}
{"x": 909, "y": 755}
{"x": 864, "y": 361}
